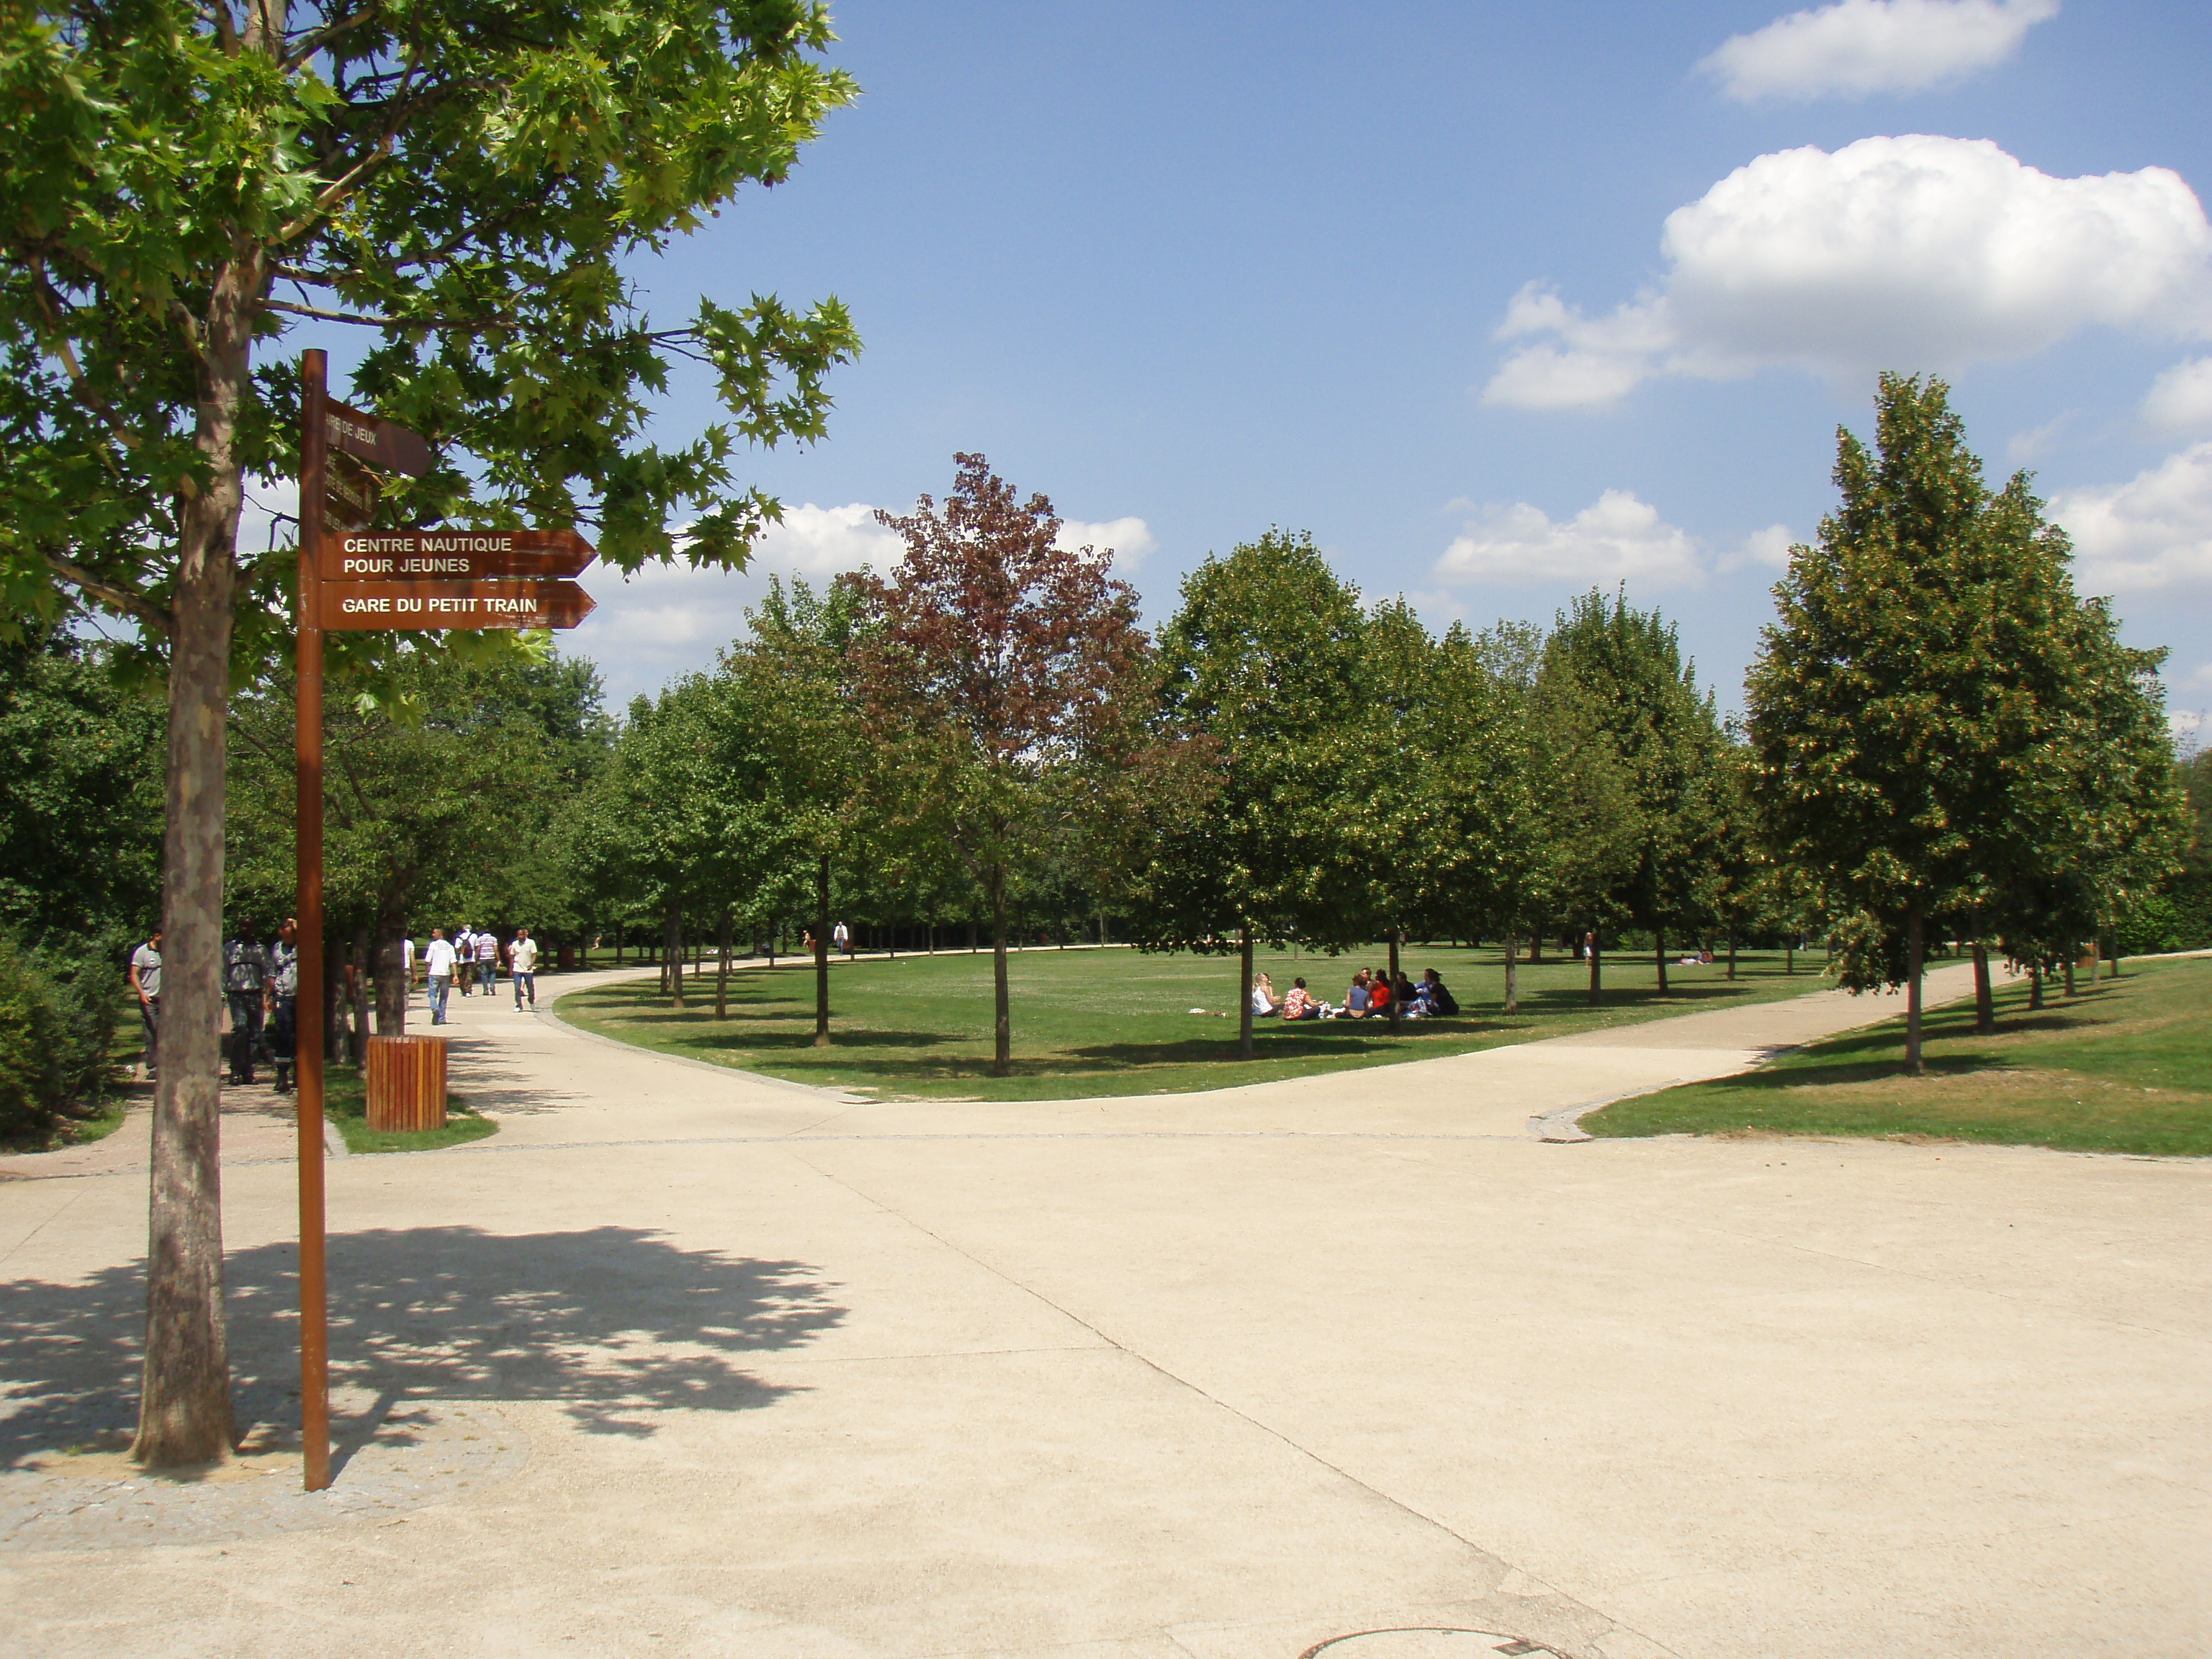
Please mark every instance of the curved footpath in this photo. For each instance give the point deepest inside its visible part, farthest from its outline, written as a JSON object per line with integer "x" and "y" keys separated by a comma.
{"x": 1227, "y": 1376}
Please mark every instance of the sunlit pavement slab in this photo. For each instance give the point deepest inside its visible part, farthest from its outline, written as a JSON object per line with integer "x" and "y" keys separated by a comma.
{"x": 1355, "y": 1365}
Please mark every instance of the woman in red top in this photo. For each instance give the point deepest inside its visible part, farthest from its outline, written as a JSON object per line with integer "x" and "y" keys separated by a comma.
{"x": 1378, "y": 996}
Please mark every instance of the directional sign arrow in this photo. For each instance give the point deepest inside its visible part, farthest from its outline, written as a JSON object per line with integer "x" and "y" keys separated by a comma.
{"x": 359, "y": 606}
{"x": 384, "y": 445}
{"x": 469, "y": 555}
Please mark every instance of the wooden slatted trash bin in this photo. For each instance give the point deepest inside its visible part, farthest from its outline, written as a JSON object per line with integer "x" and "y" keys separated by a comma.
{"x": 406, "y": 1082}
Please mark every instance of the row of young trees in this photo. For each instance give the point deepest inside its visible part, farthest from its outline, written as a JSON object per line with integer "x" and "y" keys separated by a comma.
{"x": 1943, "y": 739}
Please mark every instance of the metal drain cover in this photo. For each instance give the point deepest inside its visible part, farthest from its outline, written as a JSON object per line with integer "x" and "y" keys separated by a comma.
{"x": 1431, "y": 1642}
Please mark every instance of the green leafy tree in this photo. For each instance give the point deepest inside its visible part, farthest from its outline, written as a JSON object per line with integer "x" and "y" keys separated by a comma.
{"x": 1002, "y": 674}
{"x": 467, "y": 185}
{"x": 1627, "y": 667}
{"x": 1236, "y": 838}
{"x": 1934, "y": 719}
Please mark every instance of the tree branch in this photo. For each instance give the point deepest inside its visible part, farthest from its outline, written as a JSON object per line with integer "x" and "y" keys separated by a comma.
{"x": 315, "y": 39}
{"x": 116, "y": 598}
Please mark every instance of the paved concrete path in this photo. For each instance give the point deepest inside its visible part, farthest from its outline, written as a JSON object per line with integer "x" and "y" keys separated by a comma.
{"x": 1213, "y": 1376}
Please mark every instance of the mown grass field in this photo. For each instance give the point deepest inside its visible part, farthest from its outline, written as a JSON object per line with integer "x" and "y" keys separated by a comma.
{"x": 2125, "y": 1067}
{"x": 1118, "y": 1022}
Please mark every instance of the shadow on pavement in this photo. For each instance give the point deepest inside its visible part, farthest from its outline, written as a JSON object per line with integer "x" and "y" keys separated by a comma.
{"x": 613, "y": 1324}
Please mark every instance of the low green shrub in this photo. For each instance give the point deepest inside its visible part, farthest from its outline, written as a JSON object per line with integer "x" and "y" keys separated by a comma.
{"x": 58, "y": 1012}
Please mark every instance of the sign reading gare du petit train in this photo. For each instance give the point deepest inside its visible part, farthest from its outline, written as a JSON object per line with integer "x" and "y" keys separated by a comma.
{"x": 455, "y": 578}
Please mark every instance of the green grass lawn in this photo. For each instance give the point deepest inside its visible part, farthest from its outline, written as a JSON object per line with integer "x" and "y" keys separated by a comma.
{"x": 346, "y": 1102}
{"x": 1117, "y": 1022}
{"x": 2126, "y": 1068}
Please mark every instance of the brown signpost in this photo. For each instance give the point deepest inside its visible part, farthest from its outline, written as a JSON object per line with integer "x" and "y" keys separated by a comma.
{"x": 342, "y": 450}
{"x": 361, "y": 605}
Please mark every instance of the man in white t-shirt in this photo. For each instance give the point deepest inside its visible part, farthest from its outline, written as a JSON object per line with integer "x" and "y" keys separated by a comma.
{"x": 439, "y": 959}
{"x": 486, "y": 962}
{"x": 464, "y": 953}
{"x": 522, "y": 967}
{"x": 406, "y": 965}
{"x": 841, "y": 937}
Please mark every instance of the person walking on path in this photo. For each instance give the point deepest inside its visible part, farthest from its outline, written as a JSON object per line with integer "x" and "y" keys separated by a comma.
{"x": 406, "y": 967}
{"x": 486, "y": 962}
{"x": 840, "y": 938}
{"x": 464, "y": 954}
{"x": 246, "y": 984}
{"x": 146, "y": 981}
{"x": 283, "y": 1002}
{"x": 439, "y": 958}
{"x": 522, "y": 967}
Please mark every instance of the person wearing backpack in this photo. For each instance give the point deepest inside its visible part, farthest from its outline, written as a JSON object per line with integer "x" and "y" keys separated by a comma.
{"x": 284, "y": 1003}
{"x": 246, "y": 985}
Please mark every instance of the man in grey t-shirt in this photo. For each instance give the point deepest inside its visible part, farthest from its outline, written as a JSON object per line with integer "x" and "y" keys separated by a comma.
{"x": 146, "y": 981}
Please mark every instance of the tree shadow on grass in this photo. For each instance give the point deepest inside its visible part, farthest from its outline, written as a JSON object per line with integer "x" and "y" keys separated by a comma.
{"x": 613, "y": 1324}
{"x": 1842, "y": 1071}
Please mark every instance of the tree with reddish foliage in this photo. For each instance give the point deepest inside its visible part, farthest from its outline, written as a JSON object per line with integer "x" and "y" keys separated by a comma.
{"x": 1005, "y": 682}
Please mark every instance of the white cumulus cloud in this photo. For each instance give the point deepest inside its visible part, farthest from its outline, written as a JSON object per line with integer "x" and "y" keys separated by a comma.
{"x": 2180, "y": 400}
{"x": 1618, "y": 538}
{"x": 2153, "y": 532}
{"x": 821, "y": 541}
{"x": 1860, "y": 47}
{"x": 1129, "y": 539}
{"x": 1909, "y": 252}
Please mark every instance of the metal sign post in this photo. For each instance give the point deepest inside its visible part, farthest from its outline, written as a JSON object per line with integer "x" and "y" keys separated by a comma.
{"x": 342, "y": 452}
{"x": 307, "y": 995}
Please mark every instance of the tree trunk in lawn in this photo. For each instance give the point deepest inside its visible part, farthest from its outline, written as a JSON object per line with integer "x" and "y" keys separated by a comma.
{"x": 672, "y": 970}
{"x": 1731, "y": 972}
{"x": 1536, "y": 946}
{"x": 1659, "y": 954}
{"x": 392, "y": 986}
{"x": 2072, "y": 951}
{"x": 2034, "y": 989}
{"x": 184, "y": 1403}
{"x": 1985, "y": 1007}
{"x": 1916, "y": 950}
{"x": 1596, "y": 952}
{"x": 822, "y": 954}
{"x": 1244, "y": 999}
{"x": 1512, "y": 982}
{"x": 722, "y": 967}
{"x": 1790, "y": 954}
{"x": 1002, "y": 1052}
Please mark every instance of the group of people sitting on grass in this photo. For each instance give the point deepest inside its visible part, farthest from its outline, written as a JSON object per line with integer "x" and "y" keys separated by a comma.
{"x": 1371, "y": 995}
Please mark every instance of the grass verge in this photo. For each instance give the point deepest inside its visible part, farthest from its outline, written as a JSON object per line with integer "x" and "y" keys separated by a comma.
{"x": 1116, "y": 1022}
{"x": 345, "y": 1103}
{"x": 2125, "y": 1067}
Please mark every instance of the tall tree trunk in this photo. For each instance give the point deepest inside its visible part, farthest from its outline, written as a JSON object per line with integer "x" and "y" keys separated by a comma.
{"x": 1731, "y": 972}
{"x": 1916, "y": 951}
{"x": 2072, "y": 951}
{"x": 2035, "y": 989}
{"x": 1536, "y": 946}
{"x": 1512, "y": 979}
{"x": 1244, "y": 998}
{"x": 391, "y": 986}
{"x": 822, "y": 954}
{"x": 1002, "y": 1052}
{"x": 1790, "y": 953}
{"x": 364, "y": 954}
{"x": 1596, "y": 952}
{"x": 1659, "y": 954}
{"x": 184, "y": 1403}
{"x": 722, "y": 967}
{"x": 1985, "y": 1007}
{"x": 672, "y": 970}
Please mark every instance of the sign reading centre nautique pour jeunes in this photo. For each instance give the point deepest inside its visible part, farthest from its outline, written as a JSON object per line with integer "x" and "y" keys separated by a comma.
{"x": 469, "y": 555}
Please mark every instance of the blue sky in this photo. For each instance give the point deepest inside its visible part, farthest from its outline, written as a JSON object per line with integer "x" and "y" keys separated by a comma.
{"x": 1194, "y": 270}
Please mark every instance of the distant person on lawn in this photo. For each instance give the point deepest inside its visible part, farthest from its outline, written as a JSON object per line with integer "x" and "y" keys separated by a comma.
{"x": 522, "y": 967}
{"x": 439, "y": 959}
{"x": 1263, "y": 997}
{"x": 1356, "y": 997}
{"x": 1378, "y": 996}
{"x": 1300, "y": 1005}
{"x": 841, "y": 939}
{"x": 146, "y": 981}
